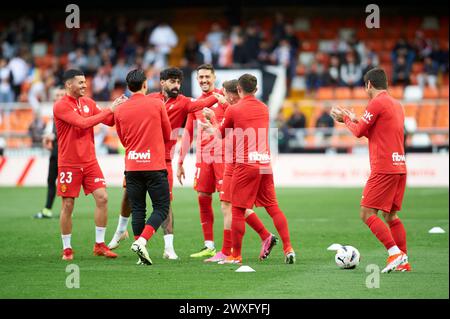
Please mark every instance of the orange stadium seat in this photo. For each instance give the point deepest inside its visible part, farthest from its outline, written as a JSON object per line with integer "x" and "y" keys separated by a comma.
{"x": 442, "y": 116}
{"x": 443, "y": 92}
{"x": 343, "y": 93}
{"x": 426, "y": 115}
{"x": 430, "y": 93}
{"x": 411, "y": 110}
{"x": 359, "y": 93}
{"x": 396, "y": 92}
{"x": 325, "y": 93}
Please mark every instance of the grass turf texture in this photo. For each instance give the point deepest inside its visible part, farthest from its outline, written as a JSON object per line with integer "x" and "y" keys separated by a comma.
{"x": 31, "y": 265}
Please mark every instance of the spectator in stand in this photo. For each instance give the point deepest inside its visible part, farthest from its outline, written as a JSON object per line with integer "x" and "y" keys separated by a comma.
{"x": 225, "y": 53}
{"x": 19, "y": 69}
{"x": 351, "y": 73}
{"x": 441, "y": 56}
{"x": 100, "y": 87}
{"x": 314, "y": 77}
{"x": 164, "y": 39}
{"x": 118, "y": 74}
{"x": 93, "y": 62}
{"x": 240, "y": 56}
{"x": 283, "y": 133}
{"x": 325, "y": 121}
{"x": 430, "y": 73}
{"x": 214, "y": 38}
{"x": 6, "y": 89}
{"x": 401, "y": 71}
{"x": 206, "y": 52}
{"x": 36, "y": 131}
{"x": 333, "y": 76}
{"x": 285, "y": 56}
{"x": 422, "y": 45}
{"x": 291, "y": 37}
{"x": 78, "y": 60}
{"x": 297, "y": 119}
{"x": 278, "y": 29}
{"x": 191, "y": 52}
{"x": 265, "y": 53}
{"x": 403, "y": 48}
{"x": 130, "y": 49}
{"x": 153, "y": 58}
{"x": 252, "y": 42}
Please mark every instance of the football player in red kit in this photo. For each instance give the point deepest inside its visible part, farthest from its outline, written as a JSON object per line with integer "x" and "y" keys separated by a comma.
{"x": 209, "y": 165}
{"x": 178, "y": 108}
{"x": 252, "y": 178}
{"x": 75, "y": 116}
{"x": 231, "y": 97}
{"x": 382, "y": 123}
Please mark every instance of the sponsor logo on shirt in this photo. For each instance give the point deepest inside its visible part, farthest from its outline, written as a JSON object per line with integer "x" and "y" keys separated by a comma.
{"x": 367, "y": 117}
{"x": 85, "y": 109}
{"x": 398, "y": 158}
{"x": 171, "y": 106}
{"x": 259, "y": 157}
{"x": 139, "y": 156}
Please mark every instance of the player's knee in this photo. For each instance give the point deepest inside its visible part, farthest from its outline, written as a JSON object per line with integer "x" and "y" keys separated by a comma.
{"x": 102, "y": 199}
{"x": 67, "y": 205}
{"x": 365, "y": 213}
{"x": 389, "y": 217}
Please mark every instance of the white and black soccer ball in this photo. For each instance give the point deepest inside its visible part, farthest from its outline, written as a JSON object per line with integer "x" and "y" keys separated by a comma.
{"x": 347, "y": 257}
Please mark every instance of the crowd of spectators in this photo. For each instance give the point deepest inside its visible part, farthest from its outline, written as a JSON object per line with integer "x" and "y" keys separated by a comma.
{"x": 107, "y": 49}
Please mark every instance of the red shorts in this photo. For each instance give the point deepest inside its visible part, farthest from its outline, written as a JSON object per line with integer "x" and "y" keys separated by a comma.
{"x": 225, "y": 190}
{"x": 384, "y": 192}
{"x": 249, "y": 186}
{"x": 70, "y": 180}
{"x": 208, "y": 177}
{"x": 170, "y": 177}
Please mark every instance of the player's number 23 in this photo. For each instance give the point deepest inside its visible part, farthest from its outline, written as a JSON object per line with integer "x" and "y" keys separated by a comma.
{"x": 65, "y": 178}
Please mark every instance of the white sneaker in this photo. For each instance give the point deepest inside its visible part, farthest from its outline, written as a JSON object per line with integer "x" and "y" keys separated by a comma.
{"x": 142, "y": 252}
{"x": 114, "y": 243}
{"x": 170, "y": 254}
{"x": 394, "y": 261}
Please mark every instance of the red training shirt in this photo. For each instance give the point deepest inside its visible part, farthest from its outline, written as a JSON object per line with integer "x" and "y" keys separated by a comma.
{"x": 249, "y": 119}
{"x": 383, "y": 124}
{"x": 74, "y": 121}
{"x": 178, "y": 109}
{"x": 205, "y": 142}
{"x": 143, "y": 128}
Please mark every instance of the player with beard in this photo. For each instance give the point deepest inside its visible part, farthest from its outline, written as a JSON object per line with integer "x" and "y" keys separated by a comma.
{"x": 209, "y": 163}
{"x": 178, "y": 107}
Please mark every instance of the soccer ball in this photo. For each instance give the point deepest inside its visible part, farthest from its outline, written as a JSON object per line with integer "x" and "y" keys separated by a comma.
{"x": 347, "y": 257}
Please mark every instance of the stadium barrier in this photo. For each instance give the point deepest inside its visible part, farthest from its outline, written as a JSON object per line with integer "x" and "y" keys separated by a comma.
{"x": 290, "y": 170}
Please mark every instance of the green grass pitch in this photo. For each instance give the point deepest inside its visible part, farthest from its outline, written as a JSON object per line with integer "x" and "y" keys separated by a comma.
{"x": 31, "y": 265}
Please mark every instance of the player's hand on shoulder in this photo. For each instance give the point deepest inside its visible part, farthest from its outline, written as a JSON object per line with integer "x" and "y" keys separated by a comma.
{"x": 220, "y": 98}
{"x": 117, "y": 102}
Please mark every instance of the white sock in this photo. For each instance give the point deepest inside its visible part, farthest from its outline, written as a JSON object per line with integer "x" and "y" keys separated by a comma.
{"x": 100, "y": 234}
{"x": 394, "y": 250}
{"x": 122, "y": 226}
{"x": 142, "y": 241}
{"x": 66, "y": 240}
{"x": 168, "y": 241}
{"x": 209, "y": 244}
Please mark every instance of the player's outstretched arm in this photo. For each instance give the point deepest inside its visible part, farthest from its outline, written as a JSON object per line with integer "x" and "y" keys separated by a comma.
{"x": 68, "y": 115}
{"x": 197, "y": 105}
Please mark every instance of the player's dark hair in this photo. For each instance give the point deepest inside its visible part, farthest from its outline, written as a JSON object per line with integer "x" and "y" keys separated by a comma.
{"x": 231, "y": 86}
{"x": 70, "y": 74}
{"x": 377, "y": 78}
{"x": 171, "y": 73}
{"x": 206, "y": 67}
{"x": 247, "y": 82}
{"x": 135, "y": 79}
